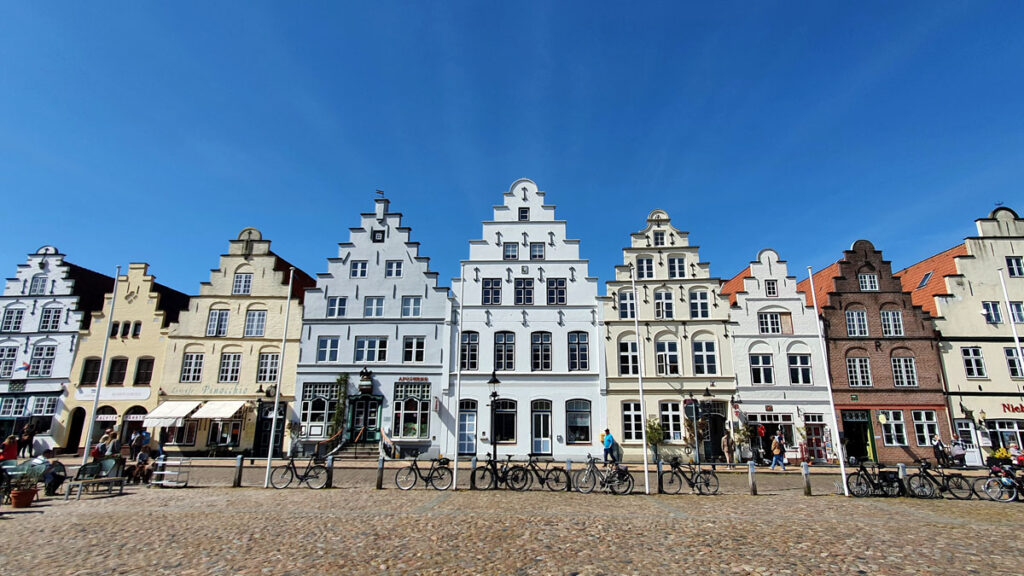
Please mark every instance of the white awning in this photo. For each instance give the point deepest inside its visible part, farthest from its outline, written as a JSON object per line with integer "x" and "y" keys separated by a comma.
{"x": 170, "y": 414}
{"x": 219, "y": 409}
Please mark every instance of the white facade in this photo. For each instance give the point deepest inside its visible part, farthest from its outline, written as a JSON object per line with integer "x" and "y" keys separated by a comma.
{"x": 377, "y": 308}
{"x": 780, "y": 371}
{"x": 529, "y": 315}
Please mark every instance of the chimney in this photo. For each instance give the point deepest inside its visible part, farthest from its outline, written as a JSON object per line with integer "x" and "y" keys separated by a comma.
{"x": 381, "y": 207}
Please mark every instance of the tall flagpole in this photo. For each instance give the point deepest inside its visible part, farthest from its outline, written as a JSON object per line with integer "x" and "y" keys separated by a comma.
{"x": 1013, "y": 325}
{"x": 640, "y": 376}
{"x": 99, "y": 377}
{"x": 277, "y": 384}
{"x": 828, "y": 381}
{"x": 458, "y": 374}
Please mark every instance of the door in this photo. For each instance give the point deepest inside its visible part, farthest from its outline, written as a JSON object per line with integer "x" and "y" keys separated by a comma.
{"x": 541, "y": 428}
{"x": 366, "y": 419}
{"x": 467, "y": 432}
{"x": 857, "y": 434}
{"x": 965, "y": 429}
{"x": 816, "y": 441}
{"x": 75, "y": 431}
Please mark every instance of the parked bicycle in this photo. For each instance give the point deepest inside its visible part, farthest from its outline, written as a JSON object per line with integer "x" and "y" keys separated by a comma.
{"x": 554, "y": 478}
{"x": 703, "y": 481}
{"x": 439, "y": 475}
{"x": 490, "y": 475}
{"x": 924, "y": 484}
{"x": 615, "y": 479}
{"x": 873, "y": 480}
{"x": 1003, "y": 484}
{"x": 315, "y": 475}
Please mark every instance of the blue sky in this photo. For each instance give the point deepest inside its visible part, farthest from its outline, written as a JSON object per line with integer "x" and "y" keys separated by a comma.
{"x": 156, "y": 131}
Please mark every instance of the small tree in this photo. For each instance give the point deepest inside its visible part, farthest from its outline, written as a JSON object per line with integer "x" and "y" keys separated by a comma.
{"x": 655, "y": 435}
{"x": 338, "y": 420}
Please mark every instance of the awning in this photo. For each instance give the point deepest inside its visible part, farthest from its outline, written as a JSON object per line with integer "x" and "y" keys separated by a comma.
{"x": 219, "y": 409}
{"x": 170, "y": 413}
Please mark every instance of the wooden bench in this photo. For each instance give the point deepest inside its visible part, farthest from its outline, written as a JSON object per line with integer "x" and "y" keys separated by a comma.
{"x": 107, "y": 472}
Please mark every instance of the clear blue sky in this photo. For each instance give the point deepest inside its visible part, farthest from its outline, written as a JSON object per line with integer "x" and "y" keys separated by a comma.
{"x": 144, "y": 131}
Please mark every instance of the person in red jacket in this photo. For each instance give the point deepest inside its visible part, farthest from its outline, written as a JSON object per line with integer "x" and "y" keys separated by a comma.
{"x": 9, "y": 449}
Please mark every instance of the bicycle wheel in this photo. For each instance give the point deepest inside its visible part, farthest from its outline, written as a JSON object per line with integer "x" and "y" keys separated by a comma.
{"x": 281, "y": 476}
{"x": 621, "y": 483}
{"x": 920, "y": 487}
{"x": 859, "y": 485}
{"x": 556, "y": 480}
{"x": 483, "y": 478}
{"x": 316, "y": 478}
{"x": 518, "y": 478}
{"x": 585, "y": 480}
{"x": 671, "y": 482}
{"x": 441, "y": 478}
{"x": 1000, "y": 492}
{"x": 978, "y": 487}
{"x": 959, "y": 487}
{"x": 406, "y": 478}
{"x": 707, "y": 482}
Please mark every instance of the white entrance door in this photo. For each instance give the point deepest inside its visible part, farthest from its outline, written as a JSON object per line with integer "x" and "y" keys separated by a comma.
{"x": 969, "y": 436}
{"x": 467, "y": 432}
{"x": 542, "y": 432}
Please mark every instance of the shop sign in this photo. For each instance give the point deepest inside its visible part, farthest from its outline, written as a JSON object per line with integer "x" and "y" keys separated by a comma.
{"x": 106, "y": 418}
{"x": 114, "y": 394}
{"x": 414, "y": 379}
{"x": 1013, "y": 408}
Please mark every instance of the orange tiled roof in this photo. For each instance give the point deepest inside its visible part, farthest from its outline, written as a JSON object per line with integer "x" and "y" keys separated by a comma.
{"x": 939, "y": 266}
{"x": 734, "y": 285}
{"x": 822, "y": 285}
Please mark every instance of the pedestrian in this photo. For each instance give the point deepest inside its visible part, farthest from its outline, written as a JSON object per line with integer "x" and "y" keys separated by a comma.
{"x": 779, "y": 451}
{"x": 1016, "y": 456}
{"x": 9, "y": 449}
{"x": 609, "y": 442}
{"x": 957, "y": 451}
{"x": 113, "y": 443}
{"x": 939, "y": 451}
{"x": 729, "y": 448}
{"x": 134, "y": 444}
{"x": 28, "y": 436}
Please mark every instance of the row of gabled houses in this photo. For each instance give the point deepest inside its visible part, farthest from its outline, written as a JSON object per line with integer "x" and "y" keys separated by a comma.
{"x": 522, "y": 351}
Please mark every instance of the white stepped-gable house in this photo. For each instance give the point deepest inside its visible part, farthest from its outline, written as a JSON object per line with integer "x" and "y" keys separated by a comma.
{"x": 42, "y": 309}
{"x": 528, "y": 316}
{"x": 780, "y": 370}
{"x": 378, "y": 316}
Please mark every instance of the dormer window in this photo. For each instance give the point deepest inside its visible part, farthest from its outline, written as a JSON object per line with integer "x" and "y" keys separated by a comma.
{"x": 771, "y": 288}
{"x": 524, "y": 214}
{"x": 659, "y": 238}
{"x": 38, "y": 285}
{"x": 242, "y": 284}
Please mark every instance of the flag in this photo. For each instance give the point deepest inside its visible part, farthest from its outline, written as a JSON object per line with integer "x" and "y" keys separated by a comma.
{"x": 24, "y": 366}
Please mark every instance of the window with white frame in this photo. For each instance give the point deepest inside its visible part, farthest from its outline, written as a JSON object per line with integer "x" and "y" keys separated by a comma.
{"x": 217, "y": 324}
{"x": 491, "y": 291}
{"x": 892, "y": 323}
{"x": 644, "y": 268}
{"x": 579, "y": 351}
{"x": 373, "y": 306}
{"x": 267, "y": 367}
{"x": 856, "y": 323}
{"x": 38, "y": 285}
{"x": 704, "y": 359}
{"x": 393, "y": 269}
{"x": 1017, "y": 312}
{"x": 536, "y": 250}
{"x": 663, "y": 305}
{"x": 761, "y": 369}
{"x": 629, "y": 360}
{"x": 225, "y": 432}
{"x": 371, "y": 349}
{"x": 44, "y": 405}
{"x": 992, "y": 313}
{"x": 904, "y": 371}
{"x": 858, "y": 371}
{"x": 974, "y": 362}
{"x": 49, "y": 320}
{"x": 627, "y": 305}
{"x": 42, "y": 361}
{"x": 230, "y": 363}
{"x": 470, "y": 353}
{"x": 894, "y": 431}
{"x": 524, "y": 291}
{"x": 769, "y": 322}
{"x": 659, "y": 238}
{"x": 1013, "y": 363}
{"x": 510, "y": 251}
{"x": 632, "y": 422}
{"x": 540, "y": 351}
{"x": 413, "y": 348}
{"x": 677, "y": 267}
{"x": 800, "y": 368}
{"x": 577, "y": 421}
{"x": 192, "y": 367}
{"x": 255, "y": 323}
{"x": 13, "y": 407}
{"x": 556, "y": 291}
{"x": 184, "y": 435}
{"x": 505, "y": 351}
{"x": 926, "y": 426}
{"x": 319, "y": 402}
{"x": 12, "y": 320}
{"x": 671, "y": 420}
{"x": 524, "y": 214}
{"x": 327, "y": 349}
{"x": 1015, "y": 266}
{"x": 666, "y": 356}
{"x": 411, "y": 410}
{"x": 7, "y": 356}
{"x": 699, "y": 304}
{"x": 411, "y": 306}
{"x": 357, "y": 269}
{"x": 868, "y": 282}
{"x": 242, "y": 284}
{"x": 336, "y": 306}
{"x": 771, "y": 288}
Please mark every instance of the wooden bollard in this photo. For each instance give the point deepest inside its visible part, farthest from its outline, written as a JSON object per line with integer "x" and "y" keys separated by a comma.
{"x": 238, "y": 471}
{"x": 806, "y": 471}
{"x": 380, "y": 473}
{"x": 751, "y": 469}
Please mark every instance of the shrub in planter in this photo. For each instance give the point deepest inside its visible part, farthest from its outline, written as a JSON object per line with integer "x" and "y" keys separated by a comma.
{"x": 23, "y": 490}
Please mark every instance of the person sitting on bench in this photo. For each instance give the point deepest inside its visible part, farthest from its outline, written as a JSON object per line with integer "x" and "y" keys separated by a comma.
{"x": 143, "y": 466}
{"x": 53, "y": 474}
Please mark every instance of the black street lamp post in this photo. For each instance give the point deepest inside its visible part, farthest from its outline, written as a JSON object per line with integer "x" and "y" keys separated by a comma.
{"x": 493, "y": 384}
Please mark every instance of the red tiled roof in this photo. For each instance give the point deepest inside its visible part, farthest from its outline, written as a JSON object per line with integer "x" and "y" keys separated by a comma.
{"x": 940, "y": 265}
{"x": 734, "y": 285}
{"x": 822, "y": 285}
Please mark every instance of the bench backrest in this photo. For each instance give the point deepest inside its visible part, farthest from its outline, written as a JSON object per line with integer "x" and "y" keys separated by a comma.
{"x": 88, "y": 471}
{"x": 111, "y": 467}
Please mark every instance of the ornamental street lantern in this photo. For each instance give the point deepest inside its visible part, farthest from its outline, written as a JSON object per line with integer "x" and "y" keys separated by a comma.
{"x": 493, "y": 384}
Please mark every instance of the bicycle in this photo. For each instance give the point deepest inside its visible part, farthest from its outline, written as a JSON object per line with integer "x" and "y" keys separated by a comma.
{"x": 438, "y": 476}
{"x": 881, "y": 483}
{"x": 618, "y": 480}
{"x": 704, "y": 481}
{"x": 1003, "y": 484}
{"x": 315, "y": 475}
{"x": 925, "y": 485}
{"x": 555, "y": 479}
{"x": 489, "y": 475}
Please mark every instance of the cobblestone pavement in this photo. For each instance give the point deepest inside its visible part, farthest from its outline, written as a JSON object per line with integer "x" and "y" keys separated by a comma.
{"x": 357, "y": 530}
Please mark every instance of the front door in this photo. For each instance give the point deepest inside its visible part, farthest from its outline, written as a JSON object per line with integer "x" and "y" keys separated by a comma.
{"x": 816, "y": 441}
{"x": 366, "y": 420}
{"x": 75, "y": 430}
{"x": 541, "y": 427}
{"x": 467, "y": 432}
{"x": 857, "y": 434}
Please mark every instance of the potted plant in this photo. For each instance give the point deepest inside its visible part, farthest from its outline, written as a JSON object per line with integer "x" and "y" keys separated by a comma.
{"x": 23, "y": 490}
{"x": 655, "y": 435}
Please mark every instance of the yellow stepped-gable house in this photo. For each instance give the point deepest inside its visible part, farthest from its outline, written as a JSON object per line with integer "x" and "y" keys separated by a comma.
{"x": 143, "y": 310}
{"x": 224, "y": 357}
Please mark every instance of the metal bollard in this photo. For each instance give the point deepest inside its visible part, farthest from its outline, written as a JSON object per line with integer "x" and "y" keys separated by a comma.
{"x": 330, "y": 472}
{"x": 902, "y": 468}
{"x": 238, "y": 472}
{"x": 380, "y": 473}
{"x": 472, "y": 477}
{"x": 806, "y": 471}
{"x": 750, "y": 478}
{"x": 568, "y": 475}
{"x": 661, "y": 487}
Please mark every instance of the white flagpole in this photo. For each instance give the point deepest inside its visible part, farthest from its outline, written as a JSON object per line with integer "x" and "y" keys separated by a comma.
{"x": 457, "y": 356}
{"x": 99, "y": 377}
{"x": 828, "y": 381}
{"x": 640, "y": 376}
{"x": 1013, "y": 326}
{"x": 277, "y": 384}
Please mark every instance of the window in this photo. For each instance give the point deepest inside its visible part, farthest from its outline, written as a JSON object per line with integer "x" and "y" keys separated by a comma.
{"x": 663, "y": 305}
{"x": 579, "y": 351}
{"x": 90, "y": 371}
{"x": 1013, "y": 363}
{"x": 676, "y": 267}
{"x": 266, "y": 369}
{"x": 524, "y": 291}
{"x": 868, "y": 282}
{"x": 644, "y": 268}
{"x": 229, "y": 366}
{"x": 38, "y": 285}
{"x": 892, "y": 323}
{"x": 524, "y": 214}
{"x": 659, "y": 238}
{"x": 858, "y": 370}
{"x": 336, "y": 306}
{"x": 800, "y": 368}
{"x": 556, "y": 291}
{"x": 761, "y": 369}
{"x": 629, "y": 361}
{"x": 13, "y": 407}
{"x": 44, "y": 406}
{"x": 12, "y": 320}
{"x": 470, "y": 353}
{"x": 371, "y": 349}
{"x": 627, "y": 305}
{"x": 242, "y": 284}
{"x": 9, "y": 353}
{"x": 924, "y": 280}
{"x": 926, "y": 426}
{"x": 1017, "y": 312}
{"x": 540, "y": 351}
{"x": 377, "y": 236}
{"x": 143, "y": 371}
{"x": 504, "y": 421}
{"x": 536, "y": 250}
{"x": 704, "y": 361}
{"x": 771, "y": 288}
{"x": 393, "y": 269}
{"x": 118, "y": 370}
{"x": 505, "y": 351}
{"x": 136, "y": 329}
{"x": 511, "y": 251}
{"x": 192, "y": 367}
{"x": 974, "y": 362}
{"x": 492, "y": 291}
{"x": 857, "y": 323}
{"x": 992, "y": 314}
{"x": 225, "y": 432}
{"x": 894, "y": 432}
{"x": 904, "y": 371}
{"x": 126, "y": 329}
{"x": 412, "y": 410}
{"x": 115, "y": 327}
{"x": 699, "y": 304}
{"x": 411, "y": 306}
{"x": 373, "y": 306}
{"x": 42, "y": 361}
{"x": 577, "y": 421}
{"x": 319, "y": 401}
{"x": 255, "y": 323}
{"x": 184, "y": 435}
{"x": 671, "y": 420}
{"x": 666, "y": 356}
{"x": 632, "y": 422}
{"x": 217, "y": 325}
{"x": 327, "y": 349}
{"x": 769, "y": 323}
{"x": 357, "y": 269}
{"x": 1015, "y": 266}
{"x": 413, "y": 348}
{"x": 50, "y": 320}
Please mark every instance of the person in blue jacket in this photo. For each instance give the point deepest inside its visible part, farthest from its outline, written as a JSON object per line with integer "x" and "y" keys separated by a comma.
{"x": 609, "y": 442}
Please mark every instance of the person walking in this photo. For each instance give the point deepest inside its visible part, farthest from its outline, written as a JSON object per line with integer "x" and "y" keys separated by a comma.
{"x": 728, "y": 448}
{"x": 779, "y": 451}
{"x": 609, "y": 443}
{"x": 28, "y": 436}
